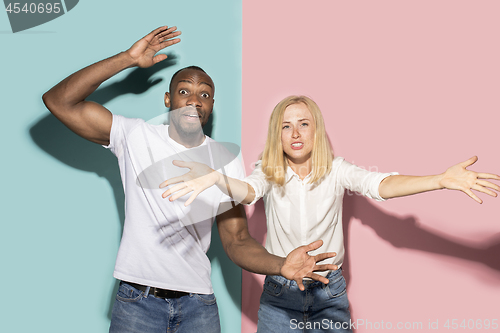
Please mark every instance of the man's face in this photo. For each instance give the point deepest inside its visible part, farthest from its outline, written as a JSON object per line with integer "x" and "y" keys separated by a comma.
{"x": 193, "y": 88}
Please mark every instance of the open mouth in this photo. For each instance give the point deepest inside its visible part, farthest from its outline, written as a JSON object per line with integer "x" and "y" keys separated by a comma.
{"x": 297, "y": 145}
{"x": 192, "y": 117}
{"x": 190, "y": 113}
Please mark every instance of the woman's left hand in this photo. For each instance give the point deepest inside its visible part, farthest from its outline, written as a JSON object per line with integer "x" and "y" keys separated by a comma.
{"x": 459, "y": 178}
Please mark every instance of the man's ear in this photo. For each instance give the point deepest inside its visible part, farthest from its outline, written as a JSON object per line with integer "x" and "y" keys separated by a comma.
{"x": 167, "y": 99}
{"x": 213, "y": 103}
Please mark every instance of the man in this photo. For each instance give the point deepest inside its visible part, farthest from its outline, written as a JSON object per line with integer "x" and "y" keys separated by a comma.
{"x": 162, "y": 259}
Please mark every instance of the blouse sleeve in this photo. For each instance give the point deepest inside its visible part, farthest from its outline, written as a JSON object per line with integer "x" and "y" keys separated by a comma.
{"x": 359, "y": 180}
{"x": 258, "y": 181}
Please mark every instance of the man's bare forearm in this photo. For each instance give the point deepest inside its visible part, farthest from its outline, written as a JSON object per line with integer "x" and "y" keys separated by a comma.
{"x": 78, "y": 86}
{"x": 241, "y": 248}
{"x": 66, "y": 100}
{"x": 253, "y": 257}
{"x": 91, "y": 120}
{"x": 250, "y": 255}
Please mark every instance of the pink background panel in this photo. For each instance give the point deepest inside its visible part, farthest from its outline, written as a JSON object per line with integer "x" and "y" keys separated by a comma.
{"x": 407, "y": 86}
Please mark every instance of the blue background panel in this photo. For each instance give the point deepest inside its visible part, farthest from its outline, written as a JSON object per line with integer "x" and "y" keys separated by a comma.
{"x": 62, "y": 200}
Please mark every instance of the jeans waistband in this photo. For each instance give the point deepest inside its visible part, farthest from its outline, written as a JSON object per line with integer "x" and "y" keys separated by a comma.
{"x": 157, "y": 292}
{"x": 332, "y": 275}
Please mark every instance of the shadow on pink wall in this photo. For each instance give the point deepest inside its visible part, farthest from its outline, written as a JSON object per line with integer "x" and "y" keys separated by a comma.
{"x": 399, "y": 232}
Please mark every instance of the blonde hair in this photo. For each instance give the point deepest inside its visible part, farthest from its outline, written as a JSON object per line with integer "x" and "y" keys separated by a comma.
{"x": 274, "y": 161}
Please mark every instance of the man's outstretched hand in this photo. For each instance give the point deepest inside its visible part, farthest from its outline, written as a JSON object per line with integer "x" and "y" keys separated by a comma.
{"x": 144, "y": 50}
{"x": 299, "y": 264}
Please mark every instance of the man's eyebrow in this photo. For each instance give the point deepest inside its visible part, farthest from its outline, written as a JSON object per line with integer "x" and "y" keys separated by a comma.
{"x": 208, "y": 84}
{"x": 189, "y": 81}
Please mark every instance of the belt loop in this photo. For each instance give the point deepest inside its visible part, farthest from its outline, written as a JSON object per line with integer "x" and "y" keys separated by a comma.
{"x": 146, "y": 293}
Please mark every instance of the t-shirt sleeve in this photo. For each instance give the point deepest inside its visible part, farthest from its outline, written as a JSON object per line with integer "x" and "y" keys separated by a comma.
{"x": 258, "y": 181}
{"x": 359, "y": 180}
{"x": 120, "y": 127}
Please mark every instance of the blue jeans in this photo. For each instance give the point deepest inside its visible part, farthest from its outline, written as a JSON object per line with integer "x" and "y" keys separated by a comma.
{"x": 136, "y": 312}
{"x": 320, "y": 308}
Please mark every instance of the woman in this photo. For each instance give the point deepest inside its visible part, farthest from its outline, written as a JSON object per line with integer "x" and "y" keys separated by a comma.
{"x": 303, "y": 185}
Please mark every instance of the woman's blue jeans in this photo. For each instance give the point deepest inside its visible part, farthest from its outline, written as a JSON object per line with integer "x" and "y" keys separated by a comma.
{"x": 320, "y": 308}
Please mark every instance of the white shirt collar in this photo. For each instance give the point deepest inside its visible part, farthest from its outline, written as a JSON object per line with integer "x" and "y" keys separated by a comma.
{"x": 290, "y": 174}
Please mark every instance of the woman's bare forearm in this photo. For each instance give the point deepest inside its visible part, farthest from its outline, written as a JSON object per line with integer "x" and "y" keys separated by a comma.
{"x": 237, "y": 189}
{"x": 400, "y": 185}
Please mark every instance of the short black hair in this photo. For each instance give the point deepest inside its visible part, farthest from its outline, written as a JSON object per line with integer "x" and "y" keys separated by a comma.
{"x": 180, "y": 70}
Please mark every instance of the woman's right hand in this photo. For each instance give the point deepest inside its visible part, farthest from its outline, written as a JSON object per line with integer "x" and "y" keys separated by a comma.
{"x": 199, "y": 178}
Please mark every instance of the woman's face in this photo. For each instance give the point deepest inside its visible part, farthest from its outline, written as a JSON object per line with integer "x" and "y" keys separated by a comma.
{"x": 297, "y": 135}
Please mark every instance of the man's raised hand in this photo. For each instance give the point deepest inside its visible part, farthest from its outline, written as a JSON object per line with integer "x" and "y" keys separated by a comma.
{"x": 143, "y": 52}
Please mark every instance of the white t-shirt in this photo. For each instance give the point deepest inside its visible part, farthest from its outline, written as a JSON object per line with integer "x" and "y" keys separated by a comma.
{"x": 164, "y": 244}
{"x": 300, "y": 213}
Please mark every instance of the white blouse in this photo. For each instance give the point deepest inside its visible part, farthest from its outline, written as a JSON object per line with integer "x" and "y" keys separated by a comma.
{"x": 300, "y": 213}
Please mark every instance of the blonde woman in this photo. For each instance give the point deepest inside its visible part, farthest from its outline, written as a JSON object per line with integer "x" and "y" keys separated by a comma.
{"x": 302, "y": 186}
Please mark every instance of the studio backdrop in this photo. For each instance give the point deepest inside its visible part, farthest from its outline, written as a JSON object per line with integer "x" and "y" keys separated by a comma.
{"x": 407, "y": 86}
